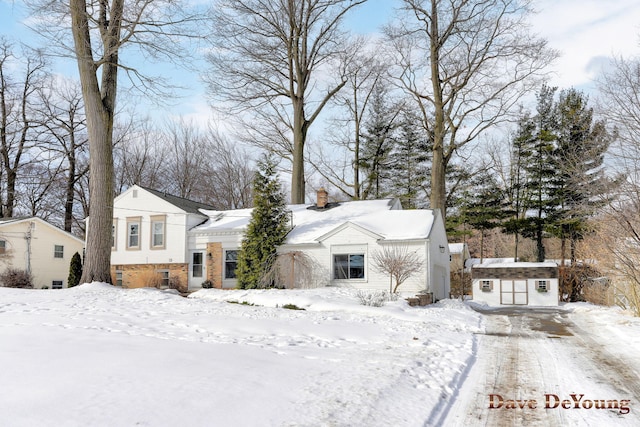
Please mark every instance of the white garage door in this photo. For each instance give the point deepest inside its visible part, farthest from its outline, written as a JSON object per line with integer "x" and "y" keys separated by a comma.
{"x": 513, "y": 292}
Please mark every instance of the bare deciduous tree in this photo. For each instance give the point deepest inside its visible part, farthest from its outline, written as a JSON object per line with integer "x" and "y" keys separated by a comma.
{"x": 18, "y": 121}
{"x": 229, "y": 173}
{"x": 295, "y": 269}
{"x": 100, "y": 31}
{"x": 366, "y": 77}
{"x": 140, "y": 157}
{"x": 64, "y": 123}
{"x": 272, "y": 61}
{"x": 398, "y": 262}
{"x": 466, "y": 64}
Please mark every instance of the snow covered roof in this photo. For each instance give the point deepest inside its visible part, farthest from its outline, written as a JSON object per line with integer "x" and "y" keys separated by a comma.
{"x": 457, "y": 248}
{"x": 310, "y": 225}
{"x": 500, "y": 263}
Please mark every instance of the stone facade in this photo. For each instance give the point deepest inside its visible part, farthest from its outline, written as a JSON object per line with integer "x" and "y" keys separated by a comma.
{"x": 144, "y": 275}
{"x": 214, "y": 264}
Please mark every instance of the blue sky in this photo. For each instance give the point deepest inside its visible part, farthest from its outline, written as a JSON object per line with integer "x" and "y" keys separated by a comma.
{"x": 586, "y": 32}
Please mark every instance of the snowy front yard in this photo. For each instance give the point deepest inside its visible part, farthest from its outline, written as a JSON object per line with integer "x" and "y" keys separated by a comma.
{"x": 96, "y": 355}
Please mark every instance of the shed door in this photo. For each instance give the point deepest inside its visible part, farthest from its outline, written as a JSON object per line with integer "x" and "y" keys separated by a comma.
{"x": 513, "y": 292}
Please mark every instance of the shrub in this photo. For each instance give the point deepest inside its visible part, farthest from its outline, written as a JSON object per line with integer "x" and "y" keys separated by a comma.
{"x": 15, "y": 278}
{"x": 292, "y": 307}
{"x": 75, "y": 270}
{"x": 372, "y": 299}
{"x": 207, "y": 284}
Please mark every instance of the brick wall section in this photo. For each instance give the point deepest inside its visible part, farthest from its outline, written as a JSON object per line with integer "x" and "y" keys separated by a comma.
{"x": 514, "y": 273}
{"x": 214, "y": 264}
{"x": 133, "y": 274}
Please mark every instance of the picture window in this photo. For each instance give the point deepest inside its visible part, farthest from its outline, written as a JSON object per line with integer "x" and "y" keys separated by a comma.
{"x": 348, "y": 266}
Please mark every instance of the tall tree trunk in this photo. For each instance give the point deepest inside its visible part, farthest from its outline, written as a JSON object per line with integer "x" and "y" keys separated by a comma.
{"x": 69, "y": 193}
{"x": 438, "y": 169}
{"x": 300, "y": 125}
{"x": 99, "y": 100}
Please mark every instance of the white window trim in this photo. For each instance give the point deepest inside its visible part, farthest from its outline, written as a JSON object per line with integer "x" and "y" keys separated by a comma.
{"x": 114, "y": 237}
{"x": 349, "y": 254}
{"x": 224, "y": 264}
{"x": 56, "y": 252}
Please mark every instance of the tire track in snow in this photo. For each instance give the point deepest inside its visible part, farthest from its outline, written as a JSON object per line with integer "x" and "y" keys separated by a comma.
{"x": 525, "y": 354}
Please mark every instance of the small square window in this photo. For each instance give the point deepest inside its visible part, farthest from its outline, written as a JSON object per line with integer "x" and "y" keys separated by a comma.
{"x": 542, "y": 285}
{"x": 58, "y": 251}
{"x": 56, "y": 284}
{"x": 119, "y": 278}
{"x": 486, "y": 285}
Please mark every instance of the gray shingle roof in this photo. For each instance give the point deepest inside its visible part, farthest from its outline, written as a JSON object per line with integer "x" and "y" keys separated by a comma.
{"x": 186, "y": 205}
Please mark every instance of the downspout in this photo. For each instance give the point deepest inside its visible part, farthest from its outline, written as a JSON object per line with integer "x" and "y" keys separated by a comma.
{"x": 28, "y": 237}
{"x": 429, "y": 287}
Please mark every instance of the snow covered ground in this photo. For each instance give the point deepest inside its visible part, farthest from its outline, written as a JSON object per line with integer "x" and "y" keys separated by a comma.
{"x": 96, "y": 355}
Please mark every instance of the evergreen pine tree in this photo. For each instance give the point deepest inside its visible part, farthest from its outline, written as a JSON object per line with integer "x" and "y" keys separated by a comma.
{"x": 75, "y": 270}
{"x": 267, "y": 229}
{"x": 540, "y": 168}
{"x": 517, "y": 191}
{"x": 377, "y": 143}
{"x": 579, "y": 159}
{"x": 408, "y": 163}
{"x": 484, "y": 206}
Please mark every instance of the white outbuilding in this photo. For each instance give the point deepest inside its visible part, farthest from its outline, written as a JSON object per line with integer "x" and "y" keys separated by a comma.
{"x": 516, "y": 283}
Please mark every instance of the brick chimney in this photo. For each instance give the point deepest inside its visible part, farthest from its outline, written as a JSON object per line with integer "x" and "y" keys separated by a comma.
{"x": 322, "y": 198}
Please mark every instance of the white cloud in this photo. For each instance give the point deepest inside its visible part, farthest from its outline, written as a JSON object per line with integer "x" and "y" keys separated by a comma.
{"x": 586, "y": 32}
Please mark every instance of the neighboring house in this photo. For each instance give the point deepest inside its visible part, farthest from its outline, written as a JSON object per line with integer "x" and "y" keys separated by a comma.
{"x": 516, "y": 283}
{"x": 339, "y": 237}
{"x": 460, "y": 269}
{"x": 459, "y": 256}
{"x": 34, "y": 245}
{"x": 149, "y": 239}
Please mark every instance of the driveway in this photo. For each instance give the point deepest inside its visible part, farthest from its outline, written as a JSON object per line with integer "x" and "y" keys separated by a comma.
{"x": 535, "y": 367}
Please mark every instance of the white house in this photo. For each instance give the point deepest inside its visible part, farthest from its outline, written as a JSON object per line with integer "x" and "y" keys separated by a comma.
{"x": 150, "y": 238}
{"x": 33, "y": 245}
{"x": 516, "y": 283}
{"x": 340, "y": 239}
